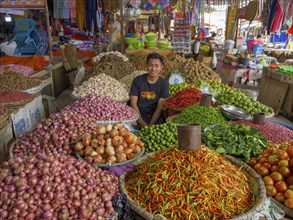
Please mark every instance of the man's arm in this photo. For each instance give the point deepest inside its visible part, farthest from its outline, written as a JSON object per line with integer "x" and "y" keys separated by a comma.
{"x": 158, "y": 111}
{"x": 133, "y": 104}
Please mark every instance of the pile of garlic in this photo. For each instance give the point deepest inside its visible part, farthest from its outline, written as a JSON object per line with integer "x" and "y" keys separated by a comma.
{"x": 104, "y": 85}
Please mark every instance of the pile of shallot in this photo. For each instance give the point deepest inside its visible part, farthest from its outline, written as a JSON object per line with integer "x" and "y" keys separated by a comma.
{"x": 58, "y": 133}
{"x": 110, "y": 144}
{"x": 104, "y": 85}
{"x": 53, "y": 187}
{"x": 97, "y": 107}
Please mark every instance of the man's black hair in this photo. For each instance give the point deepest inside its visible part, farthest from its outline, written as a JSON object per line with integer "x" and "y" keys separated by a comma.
{"x": 155, "y": 56}
{"x": 258, "y": 35}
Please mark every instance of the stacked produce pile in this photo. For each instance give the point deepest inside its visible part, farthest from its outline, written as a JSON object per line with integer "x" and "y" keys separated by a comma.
{"x": 114, "y": 66}
{"x": 127, "y": 80}
{"x": 177, "y": 61}
{"x": 139, "y": 62}
{"x": 96, "y": 107}
{"x": 275, "y": 165}
{"x": 190, "y": 185}
{"x": 13, "y": 97}
{"x": 197, "y": 114}
{"x": 271, "y": 131}
{"x": 58, "y": 133}
{"x": 183, "y": 99}
{"x": 235, "y": 97}
{"x": 12, "y": 81}
{"x": 158, "y": 137}
{"x": 115, "y": 53}
{"x": 236, "y": 140}
{"x": 104, "y": 85}
{"x": 55, "y": 186}
{"x": 109, "y": 145}
{"x": 193, "y": 71}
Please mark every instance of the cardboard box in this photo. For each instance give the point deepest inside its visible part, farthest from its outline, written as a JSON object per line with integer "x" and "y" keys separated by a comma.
{"x": 206, "y": 60}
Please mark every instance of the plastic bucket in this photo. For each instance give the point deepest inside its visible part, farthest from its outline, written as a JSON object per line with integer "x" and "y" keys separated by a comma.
{"x": 189, "y": 136}
{"x": 259, "y": 118}
{"x": 206, "y": 99}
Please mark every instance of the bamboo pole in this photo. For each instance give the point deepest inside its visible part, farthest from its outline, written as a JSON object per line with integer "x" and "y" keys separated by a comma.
{"x": 121, "y": 23}
{"x": 49, "y": 32}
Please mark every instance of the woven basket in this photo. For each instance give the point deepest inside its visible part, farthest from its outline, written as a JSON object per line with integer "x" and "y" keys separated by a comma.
{"x": 288, "y": 212}
{"x": 130, "y": 121}
{"x": 115, "y": 164}
{"x": 256, "y": 184}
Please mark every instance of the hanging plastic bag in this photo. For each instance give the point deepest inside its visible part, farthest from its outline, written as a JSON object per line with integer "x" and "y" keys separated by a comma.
{"x": 79, "y": 77}
{"x": 114, "y": 33}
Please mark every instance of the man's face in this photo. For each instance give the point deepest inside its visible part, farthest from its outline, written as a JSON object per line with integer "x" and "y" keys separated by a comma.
{"x": 154, "y": 67}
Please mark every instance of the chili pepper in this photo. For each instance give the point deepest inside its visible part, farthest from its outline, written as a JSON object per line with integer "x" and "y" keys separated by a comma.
{"x": 191, "y": 189}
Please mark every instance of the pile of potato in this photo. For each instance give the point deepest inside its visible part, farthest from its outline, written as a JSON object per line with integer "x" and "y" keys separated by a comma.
{"x": 193, "y": 71}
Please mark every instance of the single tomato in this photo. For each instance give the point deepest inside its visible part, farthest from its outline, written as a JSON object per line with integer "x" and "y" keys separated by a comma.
{"x": 265, "y": 154}
{"x": 276, "y": 176}
{"x": 290, "y": 151}
{"x": 282, "y": 155}
{"x": 290, "y": 187}
{"x": 281, "y": 186}
{"x": 268, "y": 181}
{"x": 283, "y": 163}
{"x": 273, "y": 159}
{"x": 289, "y": 194}
{"x": 252, "y": 161}
{"x": 285, "y": 171}
{"x": 274, "y": 168}
{"x": 289, "y": 180}
{"x": 263, "y": 171}
{"x": 273, "y": 150}
{"x": 271, "y": 190}
{"x": 262, "y": 160}
{"x": 280, "y": 197}
{"x": 257, "y": 166}
{"x": 289, "y": 203}
{"x": 291, "y": 162}
{"x": 267, "y": 165}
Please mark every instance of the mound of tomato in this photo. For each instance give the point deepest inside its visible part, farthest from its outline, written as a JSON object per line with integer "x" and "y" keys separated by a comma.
{"x": 275, "y": 165}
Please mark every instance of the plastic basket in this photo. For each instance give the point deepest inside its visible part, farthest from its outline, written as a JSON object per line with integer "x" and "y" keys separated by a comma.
{"x": 115, "y": 164}
{"x": 257, "y": 186}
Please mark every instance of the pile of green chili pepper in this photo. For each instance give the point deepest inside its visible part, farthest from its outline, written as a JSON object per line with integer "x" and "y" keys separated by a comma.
{"x": 197, "y": 114}
{"x": 190, "y": 185}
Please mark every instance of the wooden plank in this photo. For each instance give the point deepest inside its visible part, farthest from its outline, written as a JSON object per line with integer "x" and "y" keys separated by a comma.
{"x": 272, "y": 93}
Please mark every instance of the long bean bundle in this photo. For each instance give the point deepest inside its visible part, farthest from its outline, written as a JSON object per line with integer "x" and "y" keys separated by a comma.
{"x": 190, "y": 185}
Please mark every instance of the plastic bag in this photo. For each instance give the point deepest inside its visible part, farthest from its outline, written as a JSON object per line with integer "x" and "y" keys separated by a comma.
{"x": 79, "y": 77}
{"x": 206, "y": 88}
{"x": 114, "y": 33}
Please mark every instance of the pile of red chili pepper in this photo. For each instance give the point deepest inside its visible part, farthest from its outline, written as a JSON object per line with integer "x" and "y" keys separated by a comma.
{"x": 184, "y": 98}
{"x": 190, "y": 185}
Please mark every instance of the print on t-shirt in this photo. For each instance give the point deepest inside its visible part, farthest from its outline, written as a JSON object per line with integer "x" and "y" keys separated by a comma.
{"x": 149, "y": 95}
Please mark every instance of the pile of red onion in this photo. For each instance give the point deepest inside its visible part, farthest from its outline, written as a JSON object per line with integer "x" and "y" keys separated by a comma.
{"x": 102, "y": 108}
{"x": 53, "y": 187}
{"x": 58, "y": 133}
{"x": 271, "y": 131}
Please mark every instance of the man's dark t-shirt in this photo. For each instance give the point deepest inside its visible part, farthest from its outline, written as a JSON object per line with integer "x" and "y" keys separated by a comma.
{"x": 148, "y": 94}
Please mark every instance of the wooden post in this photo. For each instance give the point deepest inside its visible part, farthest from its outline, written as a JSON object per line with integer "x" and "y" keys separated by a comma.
{"x": 121, "y": 23}
{"x": 49, "y": 32}
{"x": 159, "y": 35}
